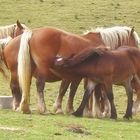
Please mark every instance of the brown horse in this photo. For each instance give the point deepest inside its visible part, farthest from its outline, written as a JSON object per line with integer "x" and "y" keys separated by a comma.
{"x": 70, "y": 44}
{"x": 38, "y": 49}
{"x": 106, "y": 67}
{"x": 6, "y": 34}
{"x": 114, "y": 37}
{"x": 44, "y": 45}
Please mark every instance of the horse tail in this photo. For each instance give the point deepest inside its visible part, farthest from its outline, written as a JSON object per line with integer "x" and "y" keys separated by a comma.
{"x": 24, "y": 63}
{"x": 79, "y": 58}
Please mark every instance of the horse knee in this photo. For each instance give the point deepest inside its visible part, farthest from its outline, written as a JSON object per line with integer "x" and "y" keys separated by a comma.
{"x": 40, "y": 83}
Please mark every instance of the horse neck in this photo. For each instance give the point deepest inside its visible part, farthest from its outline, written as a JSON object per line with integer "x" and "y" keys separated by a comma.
{"x": 6, "y": 31}
{"x": 94, "y": 38}
{"x": 134, "y": 39}
{"x": 119, "y": 36}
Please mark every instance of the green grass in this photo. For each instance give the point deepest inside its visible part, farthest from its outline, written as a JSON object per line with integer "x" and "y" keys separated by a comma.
{"x": 75, "y": 16}
{"x": 20, "y": 127}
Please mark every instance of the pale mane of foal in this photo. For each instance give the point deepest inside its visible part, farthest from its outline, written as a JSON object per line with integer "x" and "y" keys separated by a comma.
{"x": 114, "y": 35}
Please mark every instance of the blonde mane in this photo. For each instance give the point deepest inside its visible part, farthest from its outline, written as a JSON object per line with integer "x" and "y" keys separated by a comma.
{"x": 8, "y": 30}
{"x": 112, "y": 36}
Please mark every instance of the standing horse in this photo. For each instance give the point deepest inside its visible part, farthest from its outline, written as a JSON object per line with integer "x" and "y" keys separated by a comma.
{"x": 113, "y": 37}
{"x": 38, "y": 49}
{"x": 12, "y": 30}
{"x": 121, "y": 67}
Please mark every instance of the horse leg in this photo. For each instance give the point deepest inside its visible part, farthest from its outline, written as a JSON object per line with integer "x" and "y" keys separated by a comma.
{"x": 111, "y": 100}
{"x": 89, "y": 90}
{"x": 57, "y": 107}
{"x": 92, "y": 109}
{"x": 99, "y": 102}
{"x": 88, "y": 108}
{"x": 40, "y": 84}
{"x": 136, "y": 105}
{"x": 16, "y": 93}
{"x": 73, "y": 87}
{"x": 129, "y": 92}
{"x": 107, "y": 107}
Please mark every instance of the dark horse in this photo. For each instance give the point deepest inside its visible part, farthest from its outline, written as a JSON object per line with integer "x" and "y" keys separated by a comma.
{"x": 100, "y": 65}
{"x": 38, "y": 49}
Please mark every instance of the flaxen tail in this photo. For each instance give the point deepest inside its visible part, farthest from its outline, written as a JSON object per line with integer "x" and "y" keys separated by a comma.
{"x": 24, "y": 64}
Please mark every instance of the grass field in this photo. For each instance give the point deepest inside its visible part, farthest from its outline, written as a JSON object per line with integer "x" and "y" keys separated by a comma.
{"x": 74, "y": 16}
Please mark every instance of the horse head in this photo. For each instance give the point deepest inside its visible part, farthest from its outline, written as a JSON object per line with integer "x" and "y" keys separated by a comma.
{"x": 79, "y": 58}
{"x": 59, "y": 61}
{"x": 134, "y": 39}
{"x": 19, "y": 29}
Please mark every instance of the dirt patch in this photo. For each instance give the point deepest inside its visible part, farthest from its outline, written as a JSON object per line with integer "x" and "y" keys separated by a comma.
{"x": 76, "y": 128}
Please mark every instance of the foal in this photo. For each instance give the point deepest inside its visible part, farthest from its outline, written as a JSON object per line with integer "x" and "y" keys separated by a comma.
{"x": 106, "y": 67}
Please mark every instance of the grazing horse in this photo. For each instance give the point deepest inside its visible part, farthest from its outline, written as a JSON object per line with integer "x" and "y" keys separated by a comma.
{"x": 12, "y": 30}
{"x": 113, "y": 37}
{"x": 102, "y": 66}
{"x": 6, "y": 34}
{"x": 38, "y": 49}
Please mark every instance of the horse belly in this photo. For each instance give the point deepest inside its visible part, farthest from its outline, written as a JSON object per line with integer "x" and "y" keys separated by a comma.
{"x": 123, "y": 73}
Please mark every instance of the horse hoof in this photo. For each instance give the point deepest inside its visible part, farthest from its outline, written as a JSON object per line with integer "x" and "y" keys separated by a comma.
{"x": 47, "y": 112}
{"x": 59, "y": 111}
{"x": 69, "y": 111}
{"x": 24, "y": 109}
{"x": 42, "y": 110}
{"x": 127, "y": 117}
{"x": 113, "y": 117}
{"x": 77, "y": 114}
{"x": 106, "y": 115}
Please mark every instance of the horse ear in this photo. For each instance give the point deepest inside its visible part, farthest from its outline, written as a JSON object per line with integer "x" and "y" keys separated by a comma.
{"x": 19, "y": 24}
{"x": 132, "y": 30}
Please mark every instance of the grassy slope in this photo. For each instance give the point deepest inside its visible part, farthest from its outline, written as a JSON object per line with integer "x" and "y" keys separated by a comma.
{"x": 75, "y": 16}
